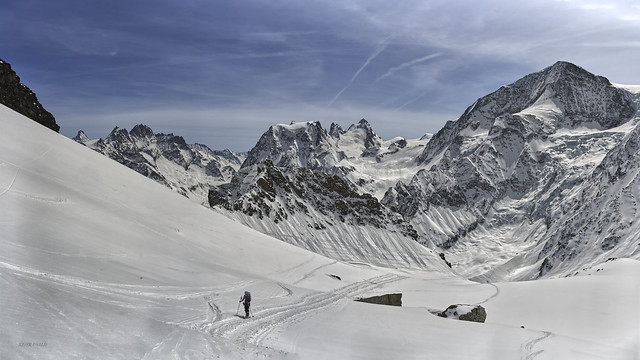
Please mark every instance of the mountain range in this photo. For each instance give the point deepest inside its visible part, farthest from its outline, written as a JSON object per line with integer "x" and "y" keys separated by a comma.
{"x": 537, "y": 179}
{"x": 190, "y": 169}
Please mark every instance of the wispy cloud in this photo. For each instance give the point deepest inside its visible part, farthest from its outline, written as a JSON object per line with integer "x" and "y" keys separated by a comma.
{"x": 407, "y": 64}
{"x": 380, "y": 48}
{"x": 264, "y": 62}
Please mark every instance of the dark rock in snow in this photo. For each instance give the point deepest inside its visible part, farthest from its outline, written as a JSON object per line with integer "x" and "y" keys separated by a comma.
{"x": 387, "y": 299}
{"x": 475, "y": 313}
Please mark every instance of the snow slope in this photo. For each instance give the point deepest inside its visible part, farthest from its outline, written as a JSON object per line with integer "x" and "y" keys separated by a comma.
{"x": 97, "y": 261}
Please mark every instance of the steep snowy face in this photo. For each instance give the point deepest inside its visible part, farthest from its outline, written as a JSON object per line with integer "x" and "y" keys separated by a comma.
{"x": 298, "y": 144}
{"x": 168, "y": 159}
{"x": 600, "y": 215}
{"x": 361, "y": 140}
{"x": 561, "y": 96}
{"x": 496, "y": 178}
{"x": 323, "y": 213}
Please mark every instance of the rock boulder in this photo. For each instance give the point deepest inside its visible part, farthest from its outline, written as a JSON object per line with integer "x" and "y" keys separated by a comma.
{"x": 475, "y": 313}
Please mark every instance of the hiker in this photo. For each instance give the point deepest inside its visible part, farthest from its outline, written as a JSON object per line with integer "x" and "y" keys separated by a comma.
{"x": 247, "y": 302}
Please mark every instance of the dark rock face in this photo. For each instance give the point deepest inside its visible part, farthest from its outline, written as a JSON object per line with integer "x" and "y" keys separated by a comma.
{"x": 279, "y": 192}
{"x": 387, "y": 299}
{"x": 20, "y": 98}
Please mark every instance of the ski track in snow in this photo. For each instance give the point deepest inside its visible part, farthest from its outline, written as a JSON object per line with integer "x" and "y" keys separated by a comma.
{"x": 492, "y": 296}
{"x": 528, "y": 347}
{"x": 256, "y": 329}
{"x": 56, "y": 311}
{"x": 15, "y": 175}
{"x": 215, "y": 310}
{"x": 312, "y": 272}
{"x": 529, "y": 354}
{"x": 288, "y": 291}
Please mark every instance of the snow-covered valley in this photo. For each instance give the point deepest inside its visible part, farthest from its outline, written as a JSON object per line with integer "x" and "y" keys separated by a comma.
{"x": 97, "y": 261}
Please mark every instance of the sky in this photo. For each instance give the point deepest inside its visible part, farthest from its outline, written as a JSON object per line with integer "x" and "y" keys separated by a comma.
{"x": 220, "y": 73}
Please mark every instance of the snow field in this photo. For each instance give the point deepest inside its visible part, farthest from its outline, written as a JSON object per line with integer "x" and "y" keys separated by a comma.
{"x": 97, "y": 261}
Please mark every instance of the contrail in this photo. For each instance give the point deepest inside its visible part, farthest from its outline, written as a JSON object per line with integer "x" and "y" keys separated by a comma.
{"x": 395, "y": 69}
{"x": 380, "y": 48}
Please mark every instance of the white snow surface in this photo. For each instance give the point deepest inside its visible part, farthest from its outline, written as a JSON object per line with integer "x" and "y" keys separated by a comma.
{"x": 99, "y": 262}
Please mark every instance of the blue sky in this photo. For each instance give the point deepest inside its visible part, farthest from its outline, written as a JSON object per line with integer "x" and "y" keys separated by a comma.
{"x": 221, "y": 72}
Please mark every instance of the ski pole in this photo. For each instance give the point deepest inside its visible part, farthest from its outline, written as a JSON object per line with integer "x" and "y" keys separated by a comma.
{"x": 238, "y": 307}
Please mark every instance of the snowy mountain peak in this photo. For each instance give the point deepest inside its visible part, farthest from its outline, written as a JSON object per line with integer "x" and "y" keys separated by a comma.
{"x": 564, "y": 69}
{"x": 141, "y": 131}
{"x": 364, "y": 133}
{"x": 562, "y": 96}
{"x": 305, "y": 144}
{"x": 81, "y": 137}
{"x": 336, "y": 130}
{"x": 118, "y": 135}
{"x": 362, "y": 124}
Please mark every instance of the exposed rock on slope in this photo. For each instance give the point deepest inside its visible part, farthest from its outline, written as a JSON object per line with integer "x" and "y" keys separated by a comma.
{"x": 295, "y": 185}
{"x": 465, "y": 312}
{"x": 20, "y": 98}
{"x": 386, "y": 299}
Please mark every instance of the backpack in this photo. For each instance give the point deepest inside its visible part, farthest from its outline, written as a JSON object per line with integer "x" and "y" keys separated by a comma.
{"x": 247, "y": 296}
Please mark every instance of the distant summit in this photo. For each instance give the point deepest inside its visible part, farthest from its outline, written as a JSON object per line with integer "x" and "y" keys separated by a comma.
{"x": 20, "y": 98}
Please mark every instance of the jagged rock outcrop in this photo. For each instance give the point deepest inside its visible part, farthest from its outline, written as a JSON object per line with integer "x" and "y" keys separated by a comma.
{"x": 166, "y": 158}
{"x": 20, "y": 98}
{"x": 372, "y": 142}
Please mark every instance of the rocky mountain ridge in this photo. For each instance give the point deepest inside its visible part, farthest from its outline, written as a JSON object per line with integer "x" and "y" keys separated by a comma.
{"x": 17, "y": 96}
{"x": 190, "y": 169}
{"x": 295, "y": 185}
